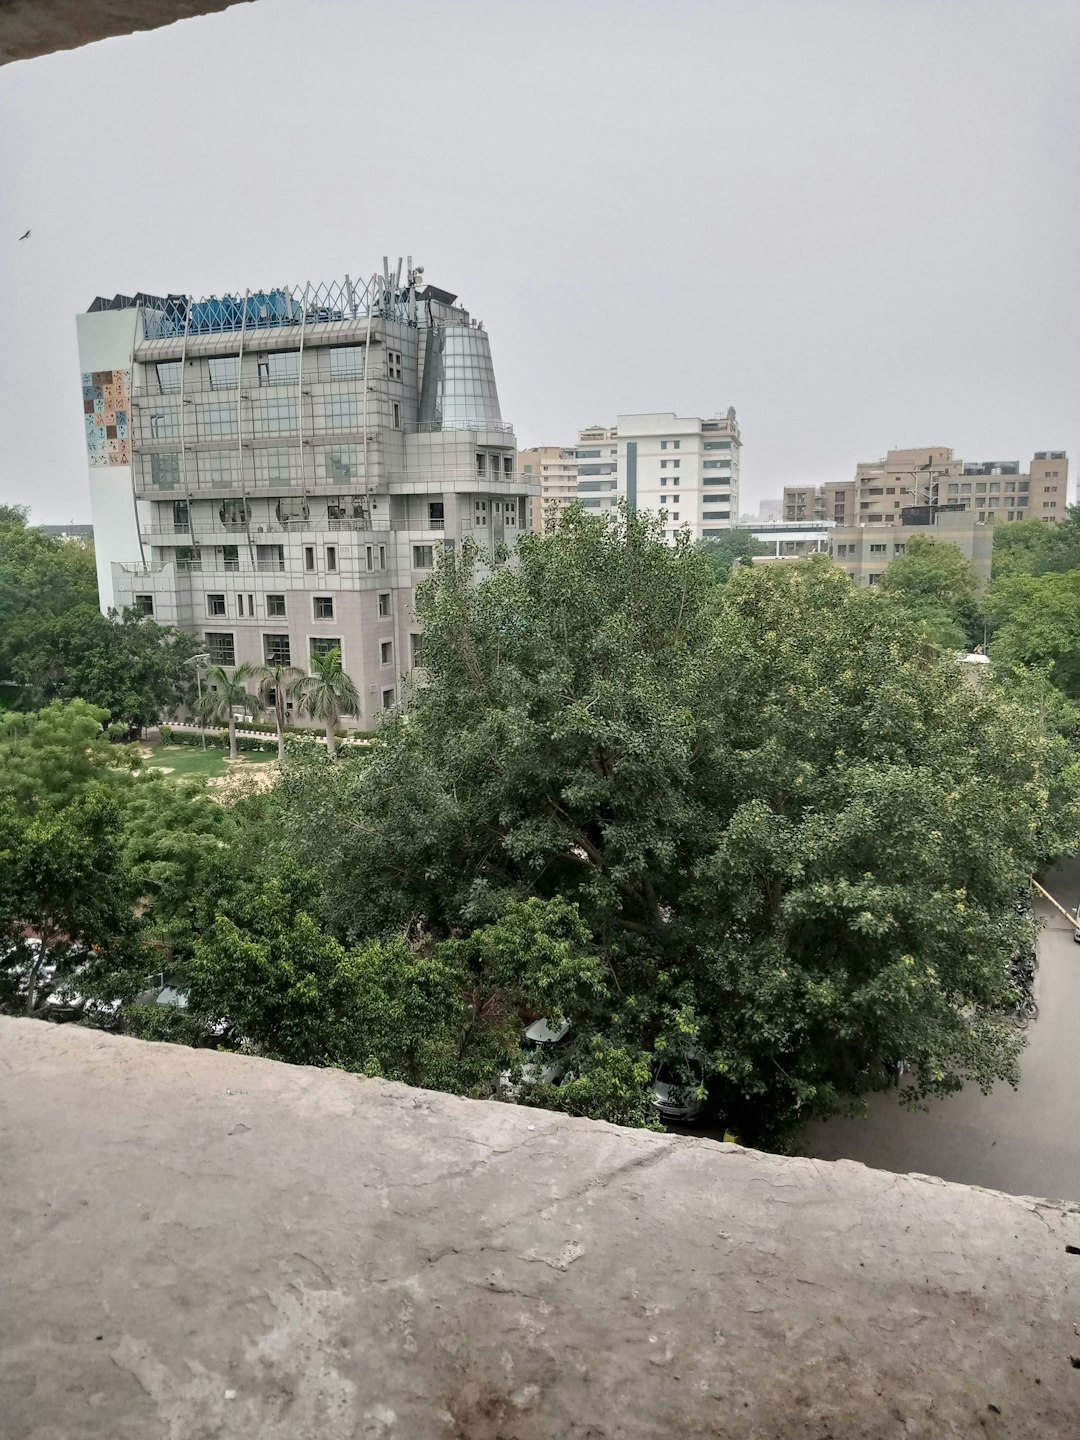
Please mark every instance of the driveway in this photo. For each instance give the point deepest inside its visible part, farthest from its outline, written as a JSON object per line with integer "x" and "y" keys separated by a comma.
{"x": 1025, "y": 1142}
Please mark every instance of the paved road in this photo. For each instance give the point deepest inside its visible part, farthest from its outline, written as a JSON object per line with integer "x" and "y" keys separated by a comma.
{"x": 1026, "y": 1142}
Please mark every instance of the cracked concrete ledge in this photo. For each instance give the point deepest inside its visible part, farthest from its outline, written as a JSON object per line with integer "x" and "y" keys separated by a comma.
{"x": 29, "y": 28}
{"x": 204, "y": 1245}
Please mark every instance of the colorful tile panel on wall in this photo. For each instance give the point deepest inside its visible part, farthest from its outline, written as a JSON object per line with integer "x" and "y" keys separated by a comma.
{"x": 107, "y": 412}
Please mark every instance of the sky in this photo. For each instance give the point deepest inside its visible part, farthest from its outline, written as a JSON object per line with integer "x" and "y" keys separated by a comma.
{"x": 854, "y": 220}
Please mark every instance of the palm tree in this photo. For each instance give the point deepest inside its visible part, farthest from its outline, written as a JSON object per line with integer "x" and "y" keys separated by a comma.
{"x": 327, "y": 693}
{"x": 280, "y": 679}
{"x": 225, "y": 694}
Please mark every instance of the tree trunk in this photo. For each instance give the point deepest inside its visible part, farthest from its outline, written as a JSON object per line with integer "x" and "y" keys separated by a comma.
{"x": 35, "y": 971}
{"x": 232, "y": 736}
{"x": 330, "y": 748}
{"x": 279, "y": 715}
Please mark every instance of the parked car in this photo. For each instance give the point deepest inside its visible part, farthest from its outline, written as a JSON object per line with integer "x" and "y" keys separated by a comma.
{"x": 677, "y": 1089}
{"x": 544, "y": 1054}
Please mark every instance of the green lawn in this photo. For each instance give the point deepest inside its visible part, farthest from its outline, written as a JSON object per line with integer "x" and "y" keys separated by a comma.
{"x": 185, "y": 760}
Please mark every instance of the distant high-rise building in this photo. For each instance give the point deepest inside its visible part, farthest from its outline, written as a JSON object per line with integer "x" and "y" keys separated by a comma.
{"x": 277, "y": 470}
{"x": 554, "y": 469}
{"x": 686, "y": 467}
{"x": 998, "y": 491}
{"x": 770, "y": 510}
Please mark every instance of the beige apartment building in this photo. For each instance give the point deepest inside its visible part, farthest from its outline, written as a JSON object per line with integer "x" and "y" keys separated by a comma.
{"x": 555, "y": 469}
{"x": 866, "y": 551}
{"x": 997, "y": 491}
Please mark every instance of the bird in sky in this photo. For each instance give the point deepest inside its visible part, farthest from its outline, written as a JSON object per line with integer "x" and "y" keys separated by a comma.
{"x": 26, "y": 236}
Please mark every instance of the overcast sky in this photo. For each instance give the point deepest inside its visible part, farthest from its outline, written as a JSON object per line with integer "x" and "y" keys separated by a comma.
{"x": 854, "y": 220}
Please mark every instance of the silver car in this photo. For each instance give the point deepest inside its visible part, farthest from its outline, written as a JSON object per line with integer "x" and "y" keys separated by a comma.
{"x": 676, "y": 1092}
{"x": 544, "y": 1058}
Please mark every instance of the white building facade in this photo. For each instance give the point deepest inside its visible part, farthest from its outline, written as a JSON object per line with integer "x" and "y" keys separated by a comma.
{"x": 276, "y": 471}
{"x": 685, "y": 467}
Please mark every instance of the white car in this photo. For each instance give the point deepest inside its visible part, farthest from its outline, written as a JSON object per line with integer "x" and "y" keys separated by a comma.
{"x": 544, "y": 1058}
{"x": 675, "y": 1094}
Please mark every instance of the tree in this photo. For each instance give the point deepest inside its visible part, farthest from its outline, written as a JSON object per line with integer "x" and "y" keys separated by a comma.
{"x": 278, "y": 681}
{"x": 327, "y": 693}
{"x": 734, "y": 547}
{"x": 1036, "y": 622}
{"x": 64, "y": 880}
{"x": 793, "y": 831}
{"x": 226, "y": 693}
{"x": 936, "y": 584}
{"x": 42, "y": 580}
{"x": 129, "y": 665}
{"x": 51, "y": 756}
{"x": 1036, "y": 547}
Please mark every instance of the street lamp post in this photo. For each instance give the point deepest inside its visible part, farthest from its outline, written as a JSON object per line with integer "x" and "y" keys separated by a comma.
{"x": 199, "y": 661}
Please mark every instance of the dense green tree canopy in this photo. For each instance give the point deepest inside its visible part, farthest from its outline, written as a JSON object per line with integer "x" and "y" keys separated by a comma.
{"x": 732, "y": 548}
{"x": 50, "y": 756}
{"x": 936, "y": 584}
{"x": 1035, "y": 547}
{"x": 794, "y": 831}
{"x": 1036, "y": 621}
{"x": 56, "y": 645}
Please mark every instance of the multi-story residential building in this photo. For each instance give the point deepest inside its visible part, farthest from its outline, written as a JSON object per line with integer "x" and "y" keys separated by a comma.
{"x": 996, "y": 490}
{"x": 597, "y": 460}
{"x": 277, "y": 470}
{"x": 554, "y": 469}
{"x": 866, "y": 551}
{"x": 687, "y": 467}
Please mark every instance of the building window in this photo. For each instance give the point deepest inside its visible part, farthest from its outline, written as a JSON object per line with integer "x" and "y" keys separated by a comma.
{"x": 663, "y": 464}
{"x": 215, "y": 419}
{"x": 511, "y": 517}
{"x": 890, "y": 489}
{"x": 382, "y": 556}
{"x": 164, "y": 425}
{"x": 165, "y": 471}
{"x": 435, "y": 510}
{"x": 716, "y": 464}
{"x": 323, "y": 607}
{"x": 369, "y": 557}
{"x": 384, "y": 604}
{"x": 717, "y": 445}
{"x": 877, "y": 549}
{"x": 675, "y": 478}
{"x": 309, "y": 557}
{"x": 480, "y": 513}
{"x": 275, "y": 605}
{"x": 397, "y": 416}
{"x": 276, "y": 650}
{"x": 280, "y": 367}
{"x": 346, "y": 362}
{"x": 386, "y": 652}
{"x": 423, "y": 557}
{"x": 388, "y": 698}
{"x": 393, "y": 364}
{"x": 215, "y": 604}
{"x": 416, "y": 648}
{"x": 899, "y": 549}
{"x": 220, "y": 648}
{"x": 481, "y": 465}
{"x": 663, "y": 480}
{"x": 321, "y": 645}
{"x": 675, "y": 444}
{"x": 1012, "y": 515}
{"x": 274, "y": 414}
{"x": 340, "y": 412}
{"x": 219, "y": 468}
{"x": 170, "y": 377}
{"x": 676, "y": 464}
{"x": 144, "y": 604}
{"x": 224, "y": 372}
{"x": 331, "y": 557}
{"x": 508, "y": 467}
{"x": 269, "y": 557}
{"x": 980, "y": 488}
{"x": 663, "y": 446}
{"x": 874, "y": 579}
